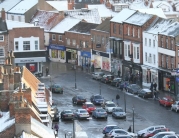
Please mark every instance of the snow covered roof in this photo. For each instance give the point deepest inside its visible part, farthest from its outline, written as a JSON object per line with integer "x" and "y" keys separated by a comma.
{"x": 138, "y": 18}
{"x": 155, "y": 11}
{"x": 26, "y": 135}
{"x": 123, "y": 15}
{"x": 41, "y": 129}
{"x": 103, "y": 11}
{"x": 172, "y": 30}
{"x": 65, "y": 25}
{"x": 5, "y": 121}
{"x": 8, "y": 4}
{"x": 89, "y": 15}
{"x": 158, "y": 4}
{"x": 139, "y": 4}
{"x": 160, "y": 26}
{"x": 59, "y": 5}
{"x": 23, "y": 6}
{"x": 15, "y": 24}
{"x": 46, "y": 19}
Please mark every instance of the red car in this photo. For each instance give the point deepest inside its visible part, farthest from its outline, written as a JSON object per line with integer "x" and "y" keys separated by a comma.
{"x": 152, "y": 133}
{"x": 166, "y": 101}
{"x": 89, "y": 107}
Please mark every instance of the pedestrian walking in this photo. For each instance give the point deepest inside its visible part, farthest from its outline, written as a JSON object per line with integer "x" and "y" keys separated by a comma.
{"x": 125, "y": 86}
{"x": 117, "y": 99}
{"x": 151, "y": 86}
{"x": 129, "y": 129}
{"x": 47, "y": 70}
{"x": 155, "y": 86}
{"x": 119, "y": 73}
{"x": 56, "y": 127}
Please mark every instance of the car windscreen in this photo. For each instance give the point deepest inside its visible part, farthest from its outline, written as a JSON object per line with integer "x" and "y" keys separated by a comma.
{"x": 98, "y": 97}
{"x": 83, "y": 111}
{"x": 119, "y": 110}
{"x": 57, "y": 86}
{"x": 135, "y": 87}
{"x": 101, "y": 110}
{"x": 110, "y": 105}
{"x": 68, "y": 111}
{"x": 90, "y": 105}
{"x": 80, "y": 97}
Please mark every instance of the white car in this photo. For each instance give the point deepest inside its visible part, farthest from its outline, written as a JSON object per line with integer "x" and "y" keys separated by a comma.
{"x": 108, "y": 106}
{"x": 117, "y": 132}
{"x": 149, "y": 129}
{"x": 81, "y": 114}
{"x": 175, "y": 106}
{"x": 162, "y": 134}
{"x": 122, "y": 136}
{"x": 118, "y": 112}
{"x": 97, "y": 75}
{"x": 170, "y": 136}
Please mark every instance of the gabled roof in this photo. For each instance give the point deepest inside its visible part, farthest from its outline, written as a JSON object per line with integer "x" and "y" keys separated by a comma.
{"x": 104, "y": 26}
{"x": 65, "y": 25}
{"x": 139, "y": 5}
{"x": 158, "y": 4}
{"x": 59, "y": 5}
{"x": 23, "y": 6}
{"x": 46, "y": 19}
{"x": 104, "y": 12}
{"x": 138, "y": 18}
{"x": 123, "y": 15}
{"x": 91, "y": 16}
{"x": 83, "y": 27}
{"x": 3, "y": 26}
{"x": 88, "y": 1}
{"x": 8, "y": 4}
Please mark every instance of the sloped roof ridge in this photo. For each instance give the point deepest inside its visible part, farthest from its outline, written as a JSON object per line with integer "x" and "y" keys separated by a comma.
{"x": 47, "y": 11}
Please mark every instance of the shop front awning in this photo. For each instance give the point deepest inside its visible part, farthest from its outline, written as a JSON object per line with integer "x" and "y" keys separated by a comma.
{"x": 153, "y": 69}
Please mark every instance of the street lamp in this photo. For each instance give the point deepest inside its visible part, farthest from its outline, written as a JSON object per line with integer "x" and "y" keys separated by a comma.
{"x": 133, "y": 117}
{"x": 100, "y": 87}
{"x": 75, "y": 76}
{"x": 74, "y": 127}
{"x": 125, "y": 101}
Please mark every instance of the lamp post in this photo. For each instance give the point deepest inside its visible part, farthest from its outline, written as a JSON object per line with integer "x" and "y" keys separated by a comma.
{"x": 100, "y": 87}
{"x": 74, "y": 128}
{"x": 125, "y": 101}
{"x": 75, "y": 76}
{"x": 133, "y": 117}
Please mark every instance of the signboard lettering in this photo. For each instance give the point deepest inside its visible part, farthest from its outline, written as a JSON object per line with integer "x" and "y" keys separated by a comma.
{"x": 26, "y": 60}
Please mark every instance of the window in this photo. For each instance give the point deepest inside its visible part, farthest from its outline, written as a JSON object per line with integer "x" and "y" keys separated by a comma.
{"x": 1, "y": 52}
{"x": 26, "y": 45}
{"x": 162, "y": 60}
{"x": 68, "y": 41}
{"x": 154, "y": 58}
{"x": 138, "y": 33}
{"x": 36, "y": 45}
{"x": 125, "y": 46}
{"x": 150, "y": 42}
{"x": 166, "y": 61}
{"x": 166, "y": 42}
{"x": 134, "y": 52}
{"x": 120, "y": 29}
{"x": 145, "y": 41}
{"x": 19, "y": 18}
{"x": 103, "y": 40}
{"x": 114, "y": 28}
{"x": 12, "y": 17}
{"x": 128, "y": 30}
{"x": 133, "y": 31}
{"x": 1, "y": 38}
{"x": 171, "y": 45}
{"x": 60, "y": 37}
{"x": 161, "y": 42}
{"x": 16, "y": 45}
{"x": 53, "y": 37}
{"x": 86, "y": 44}
{"x": 154, "y": 43}
{"x": 73, "y": 42}
{"x": 128, "y": 50}
{"x": 178, "y": 53}
{"x": 137, "y": 52}
{"x": 172, "y": 62}
{"x": 146, "y": 56}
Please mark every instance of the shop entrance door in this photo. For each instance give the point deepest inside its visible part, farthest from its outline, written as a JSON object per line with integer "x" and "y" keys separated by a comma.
{"x": 68, "y": 56}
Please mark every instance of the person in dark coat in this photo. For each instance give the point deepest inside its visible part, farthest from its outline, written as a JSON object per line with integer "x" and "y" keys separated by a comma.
{"x": 56, "y": 127}
{"x": 119, "y": 73}
{"x": 117, "y": 99}
{"x": 155, "y": 86}
{"x": 47, "y": 70}
{"x": 129, "y": 129}
{"x": 151, "y": 86}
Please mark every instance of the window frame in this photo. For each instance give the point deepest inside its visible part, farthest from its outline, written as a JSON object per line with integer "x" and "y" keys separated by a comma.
{"x": 53, "y": 36}
{"x": 3, "y": 52}
{"x": 36, "y": 45}
{"x": 2, "y": 38}
{"x": 26, "y": 48}
{"x": 16, "y": 45}
{"x": 60, "y": 37}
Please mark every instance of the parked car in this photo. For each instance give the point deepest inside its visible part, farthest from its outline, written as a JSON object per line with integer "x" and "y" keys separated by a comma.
{"x": 97, "y": 75}
{"x": 152, "y": 133}
{"x": 133, "y": 88}
{"x": 149, "y": 129}
{"x": 175, "y": 106}
{"x": 123, "y": 84}
{"x": 108, "y": 106}
{"x": 100, "y": 113}
{"x": 81, "y": 114}
{"x": 162, "y": 134}
{"x": 116, "y": 82}
{"x": 118, "y": 112}
{"x": 145, "y": 93}
{"x": 117, "y": 132}
{"x": 89, "y": 107}
{"x": 67, "y": 114}
{"x": 108, "y": 128}
{"x": 107, "y": 78}
{"x": 56, "y": 88}
{"x": 166, "y": 101}
{"x": 97, "y": 99}
{"x": 171, "y": 136}
{"x": 78, "y": 99}
{"x": 122, "y": 136}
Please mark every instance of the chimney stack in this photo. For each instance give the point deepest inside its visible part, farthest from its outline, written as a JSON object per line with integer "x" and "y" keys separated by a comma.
{"x": 3, "y": 14}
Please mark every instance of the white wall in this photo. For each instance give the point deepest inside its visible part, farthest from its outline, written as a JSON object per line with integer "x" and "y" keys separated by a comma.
{"x": 32, "y": 43}
{"x": 46, "y": 38}
{"x": 150, "y": 49}
{"x": 16, "y": 17}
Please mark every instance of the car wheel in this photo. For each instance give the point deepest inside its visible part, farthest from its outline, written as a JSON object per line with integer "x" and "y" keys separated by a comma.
{"x": 176, "y": 111}
{"x": 143, "y": 96}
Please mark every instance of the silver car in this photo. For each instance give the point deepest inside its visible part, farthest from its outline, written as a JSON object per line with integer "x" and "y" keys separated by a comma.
{"x": 118, "y": 112}
{"x": 97, "y": 75}
{"x": 175, "y": 106}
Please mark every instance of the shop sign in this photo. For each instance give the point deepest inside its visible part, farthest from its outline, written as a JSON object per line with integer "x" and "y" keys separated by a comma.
{"x": 100, "y": 53}
{"x": 98, "y": 45}
{"x": 175, "y": 72}
{"x": 86, "y": 54}
{"x": 71, "y": 50}
{"x": 177, "y": 79}
{"x": 57, "y": 47}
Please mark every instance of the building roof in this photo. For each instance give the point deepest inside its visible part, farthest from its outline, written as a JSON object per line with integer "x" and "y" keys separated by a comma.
{"x": 138, "y": 18}
{"x": 158, "y": 4}
{"x": 65, "y": 25}
{"x": 26, "y": 135}
{"x": 88, "y": 1}
{"x": 89, "y": 15}
{"x": 59, "y": 5}
{"x": 139, "y": 4}
{"x": 3, "y": 26}
{"x": 46, "y": 19}
{"x": 83, "y": 27}
{"x": 8, "y": 4}
{"x": 155, "y": 11}
{"x": 23, "y": 6}
{"x": 172, "y": 30}
{"x": 104, "y": 26}
{"x": 104, "y": 12}
{"x": 15, "y": 24}
{"x": 123, "y": 15}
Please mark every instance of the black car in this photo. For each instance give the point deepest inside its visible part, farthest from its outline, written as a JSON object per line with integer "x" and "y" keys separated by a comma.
{"x": 116, "y": 82}
{"x": 107, "y": 78}
{"x": 133, "y": 88}
{"x": 67, "y": 114}
{"x": 97, "y": 99}
{"x": 78, "y": 99}
{"x": 145, "y": 93}
{"x": 56, "y": 117}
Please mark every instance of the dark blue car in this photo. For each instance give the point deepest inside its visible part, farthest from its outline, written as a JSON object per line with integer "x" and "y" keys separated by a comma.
{"x": 97, "y": 99}
{"x": 123, "y": 84}
{"x": 108, "y": 128}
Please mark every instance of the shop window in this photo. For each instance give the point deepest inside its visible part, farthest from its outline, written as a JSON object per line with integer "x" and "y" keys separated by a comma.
{"x": 150, "y": 42}
{"x": 154, "y": 43}
{"x": 36, "y": 45}
{"x": 26, "y": 45}
{"x": 16, "y": 45}
{"x": 144, "y": 78}
{"x": 133, "y": 30}
{"x": 1, "y": 52}
{"x": 134, "y": 52}
{"x": 114, "y": 28}
{"x": 148, "y": 76}
{"x": 129, "y": 50}
{"x": 53, "y": 37}
{"x": 74, "y": 42}
{"x": 62, "y": 54}
{"x": 60, "y": 37}
{"x": 145, "y": 41}
{"x": 120, "y": 49}
{"x": 1, "y": 38}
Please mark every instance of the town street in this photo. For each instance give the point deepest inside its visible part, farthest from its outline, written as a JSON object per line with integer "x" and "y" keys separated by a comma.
{"x": 147, "y": 112}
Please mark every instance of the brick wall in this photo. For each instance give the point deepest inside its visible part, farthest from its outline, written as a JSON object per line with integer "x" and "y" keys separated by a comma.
{"x": 118, "y": 25}
{"x": 8, "y": 133}
{"x": 22, "y": 115}
{"x": 4, "y": 100}
{"x": 28, "y": 96}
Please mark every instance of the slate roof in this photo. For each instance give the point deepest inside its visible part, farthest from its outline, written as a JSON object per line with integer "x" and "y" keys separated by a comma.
{"x": 104, "y": 26}
{"x": 3, "y": 26}
{"x": 46, "y": 19}
{"x": 138, "y": 18}
{"x": 8, "y": 4}
{"x": 83, "y": 27}
{"x": 91, "y": 16}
